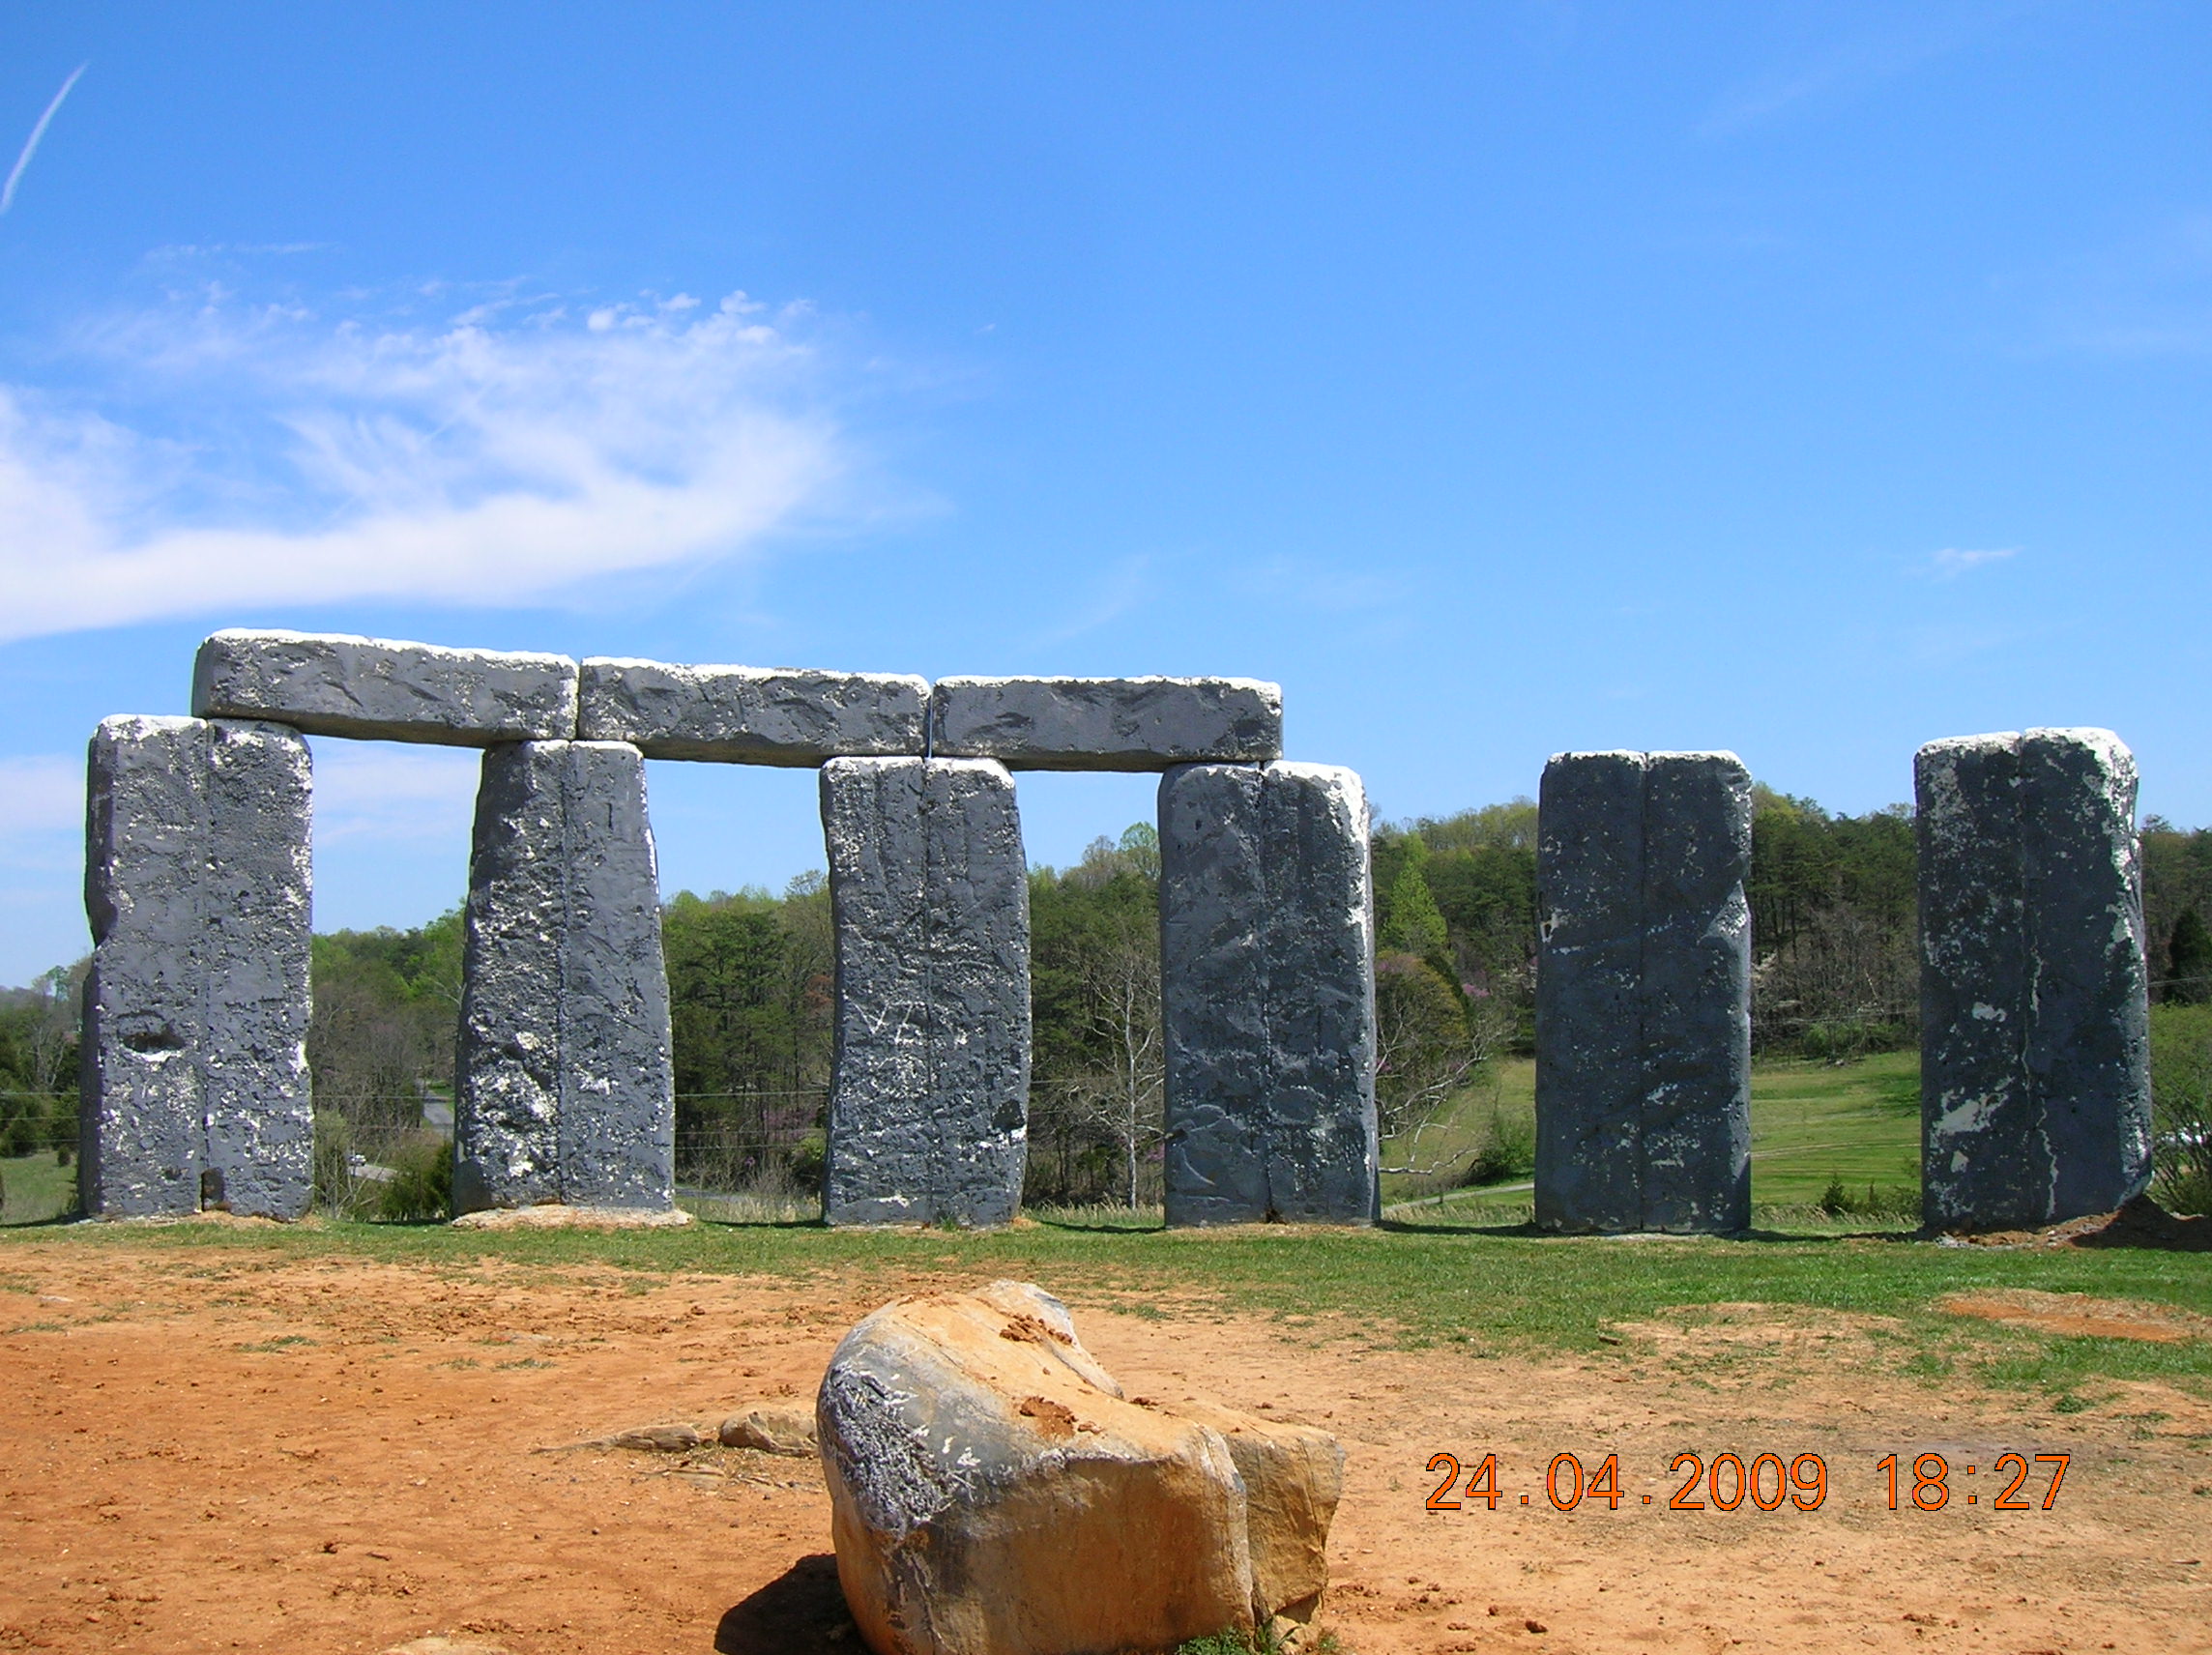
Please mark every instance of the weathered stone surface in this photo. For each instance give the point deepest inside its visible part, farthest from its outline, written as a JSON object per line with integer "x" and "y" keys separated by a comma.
{"x": 660, "y": 1440}
{"x": 197, "y": 881}
{"x": 991, "y": 1491}
{"x": 752, "y": 716}
{"x": 257, "y": 886}
{"x": 329, "y": 684}
{"x": 929, "y": 889}
{"x": 565, "y": 1086}
{"x": 1267, "y": 995}
{"x": 1643, "y": 993}
{"x": 1105, "y": 723}
{"x": 1294, "y": 1475}
{"x": 618, "y": 1097}
{"x": 2036, "y": 1077}
{"x": 140, "y": 1121}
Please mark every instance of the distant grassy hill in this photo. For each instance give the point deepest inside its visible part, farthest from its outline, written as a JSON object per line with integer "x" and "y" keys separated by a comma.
{"x": 1811, "y": 1124}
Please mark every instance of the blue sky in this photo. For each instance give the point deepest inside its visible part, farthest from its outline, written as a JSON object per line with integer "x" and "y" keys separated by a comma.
{"x": 1810, "y": 380}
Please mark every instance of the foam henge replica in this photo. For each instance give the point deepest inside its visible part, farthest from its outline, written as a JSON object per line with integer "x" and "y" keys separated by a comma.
{"x": 198, "y": 884}
{"x": 196, "y": 1086}
{"x": 1644, "y": 993}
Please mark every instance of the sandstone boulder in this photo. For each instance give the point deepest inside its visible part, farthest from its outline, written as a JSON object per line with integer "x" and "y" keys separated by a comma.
{"x": 993, "y": 1494}
{"x": 770, "y": 1431}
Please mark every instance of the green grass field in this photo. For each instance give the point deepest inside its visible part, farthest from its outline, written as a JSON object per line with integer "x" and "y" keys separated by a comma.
{"x": 1810, "y": 1122}
{"x": 37, "y": 1188}
{"x": 1422, "y": 1284}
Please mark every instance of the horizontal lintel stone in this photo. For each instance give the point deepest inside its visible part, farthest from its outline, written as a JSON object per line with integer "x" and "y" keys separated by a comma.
{"x": 1106, "y": 723}
{"x": 752, "y": 716}
{"x": 377, "y": 689}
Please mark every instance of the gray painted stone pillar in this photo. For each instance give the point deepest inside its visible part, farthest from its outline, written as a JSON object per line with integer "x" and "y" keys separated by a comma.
{"x": 2035, "y": 1068}
{"x": 258, "y": 885}
{"x": 197, "y": 884}
{"x": 1267, "y": 995}
{"x": 1643, "y": 993}
{"x": 929, "y": 1094}
{"x": 566, "y": 1090}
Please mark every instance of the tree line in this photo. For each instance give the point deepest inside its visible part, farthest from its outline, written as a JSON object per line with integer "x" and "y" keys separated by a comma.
{"x": 751, "y": 977}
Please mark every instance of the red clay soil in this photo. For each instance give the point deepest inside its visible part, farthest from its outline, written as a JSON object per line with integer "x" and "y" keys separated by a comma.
{"x": 209, "y": 1449}
{"x": 2142, "y": 1223}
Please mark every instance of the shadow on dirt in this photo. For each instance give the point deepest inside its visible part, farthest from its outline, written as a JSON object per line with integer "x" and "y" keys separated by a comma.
{"x": 801, "y": 1612}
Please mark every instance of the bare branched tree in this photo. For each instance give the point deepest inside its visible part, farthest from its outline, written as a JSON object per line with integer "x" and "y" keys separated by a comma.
{"x": 1427, "y": 1048}
{"x": 1122, "y": 993}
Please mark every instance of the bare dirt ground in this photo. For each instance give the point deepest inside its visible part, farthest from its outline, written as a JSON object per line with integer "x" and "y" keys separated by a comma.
{"x": 207, "y": 1449}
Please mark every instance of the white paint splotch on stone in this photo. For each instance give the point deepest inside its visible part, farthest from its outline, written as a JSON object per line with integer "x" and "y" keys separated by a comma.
{"x": 752, "y": 716}
{"x": 1643, "y": 993}
{"x": 1267, "y": 995}
{"x": 197, "y": 883}
{"x": 1105, "y": 723}
{"x": 2035, "y": 1080}
{"x": 381, "y": 689}
{"x": 929, "y": 892}
{"x": 566, "y": 1085}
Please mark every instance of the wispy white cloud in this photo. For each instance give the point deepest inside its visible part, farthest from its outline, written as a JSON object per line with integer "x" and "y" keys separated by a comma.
{"x": 1842, "y": 67}
{"x": 31, "y": 144}
{"x": 1118, "y": 589}
{"x": 505, "y": 454}
{"x": 1308, "y": 583}
{"x": 1952, "y": 561}
{"x": 2149, "y": 294}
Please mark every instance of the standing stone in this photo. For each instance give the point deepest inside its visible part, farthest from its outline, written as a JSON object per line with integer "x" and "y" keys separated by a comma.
{"x": 257, "y": 886}
{"x": 930, "y": 891}
{"x": 1105, "y": 723}
{"x": 2035, "y": 1068}
{"x": 145, "y": 849}
{"x": 1267, "y": 995}
{"x": 1643, "y": 993}
{"x": 197, "y": 884}
{"x": 379, "y": 690}
{"x": 565, "y": 1091}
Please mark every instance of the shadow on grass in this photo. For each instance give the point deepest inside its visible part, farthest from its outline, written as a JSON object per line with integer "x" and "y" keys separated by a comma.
{"x": 748, "y": 1223}
{"x": 52, "y": 1221}
{"x": 801, "y": 1612}
{"x": 1526, "y": 1232}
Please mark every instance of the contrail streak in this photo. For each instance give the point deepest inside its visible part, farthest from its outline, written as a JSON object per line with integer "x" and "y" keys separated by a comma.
{"x": 30, "y": 145}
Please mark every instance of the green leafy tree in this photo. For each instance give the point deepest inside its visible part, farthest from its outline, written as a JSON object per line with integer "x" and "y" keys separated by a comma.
{"x": 2189, "y": 961}
{"x": 1415, "y": 926}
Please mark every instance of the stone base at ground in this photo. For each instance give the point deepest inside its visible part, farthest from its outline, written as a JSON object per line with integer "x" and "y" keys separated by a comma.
{"x": 554, "y": 1216}
{"x": 993, "y": 1491}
